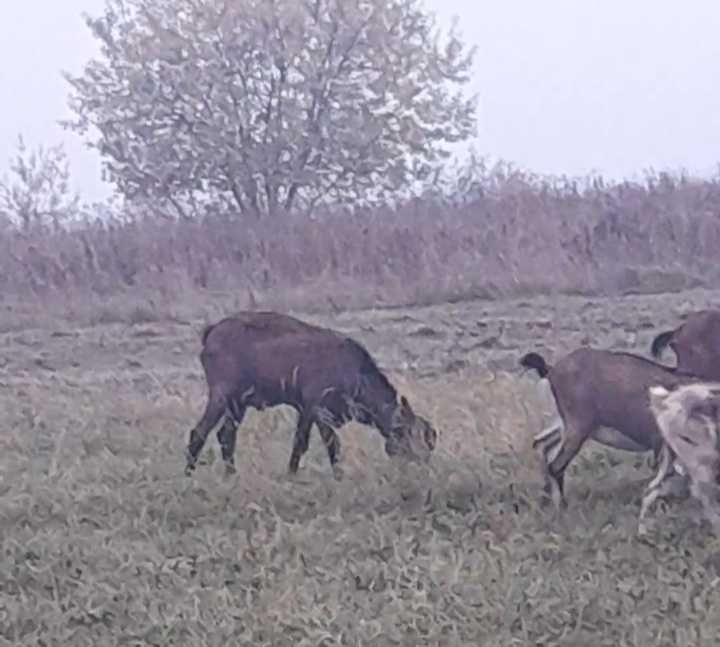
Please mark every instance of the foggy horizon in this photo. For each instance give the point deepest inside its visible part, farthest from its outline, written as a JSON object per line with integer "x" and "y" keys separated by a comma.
{"x": 563, "y": 89}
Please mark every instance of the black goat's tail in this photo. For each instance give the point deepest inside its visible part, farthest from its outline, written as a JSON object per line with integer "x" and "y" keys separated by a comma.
{"x": 661, "y": 341}
{"x": 537, "y": 362}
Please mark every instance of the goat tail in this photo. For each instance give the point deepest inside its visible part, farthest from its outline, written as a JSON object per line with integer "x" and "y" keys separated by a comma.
{"x": 660, "y": 342}
{"x": 537, "y": 362}
{"x": 205, "y": 332}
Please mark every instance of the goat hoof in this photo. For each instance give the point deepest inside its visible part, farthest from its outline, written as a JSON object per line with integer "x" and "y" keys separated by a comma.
{"x": 338, "y": 473}
{"x": 545, "y": 501}
{"x": 229, "y": 469}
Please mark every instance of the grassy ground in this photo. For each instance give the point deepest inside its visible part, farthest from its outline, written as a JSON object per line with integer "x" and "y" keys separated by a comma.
{"x": 104, "y": 540}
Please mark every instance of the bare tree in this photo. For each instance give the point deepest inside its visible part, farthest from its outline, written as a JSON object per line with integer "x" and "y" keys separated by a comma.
{"x": 37, "y": 191}
{"x": 264, "y": 106}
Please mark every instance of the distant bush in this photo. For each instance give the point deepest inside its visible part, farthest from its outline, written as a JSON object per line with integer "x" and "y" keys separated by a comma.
{"x": 36, "y": 193}
{"x": 501, "y": 233}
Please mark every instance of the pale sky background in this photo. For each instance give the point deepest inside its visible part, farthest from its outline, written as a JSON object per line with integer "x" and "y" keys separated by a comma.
{"x": 565, "y": 86}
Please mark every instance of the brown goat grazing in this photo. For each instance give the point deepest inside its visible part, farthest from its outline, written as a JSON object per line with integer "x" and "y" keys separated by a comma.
{"x": 688, "y": 418}
{"x": 600, "y": 395}
{"x": 267, "y": 359}
{"x": 265, "y": 323}
{"x": 696, "y": 344}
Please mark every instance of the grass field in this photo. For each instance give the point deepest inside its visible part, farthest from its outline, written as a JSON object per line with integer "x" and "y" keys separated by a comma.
{"x": 105, "y": 541}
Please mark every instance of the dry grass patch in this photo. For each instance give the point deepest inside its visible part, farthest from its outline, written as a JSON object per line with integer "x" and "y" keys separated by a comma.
{"x": 105, "y": 541}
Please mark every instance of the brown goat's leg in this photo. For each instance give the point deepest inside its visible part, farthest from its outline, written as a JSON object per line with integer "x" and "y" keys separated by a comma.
{"x": 548, "y": 445}
{"x": 301, "y": 442}
{"x": 573, "y": 439}
{"x": 227, "y": 437}
{"x": 214, "y": 410}
{"x": 658, "y": 487}
{"x": 332, "y": 444}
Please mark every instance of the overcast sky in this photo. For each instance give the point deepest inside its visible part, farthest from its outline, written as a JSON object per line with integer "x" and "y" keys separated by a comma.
{"x": 565, "y": 86}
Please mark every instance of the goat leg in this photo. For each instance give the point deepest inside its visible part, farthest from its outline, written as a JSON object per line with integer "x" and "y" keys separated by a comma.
{"x": 214, "y": 411}
{"x": 659, "y": 486}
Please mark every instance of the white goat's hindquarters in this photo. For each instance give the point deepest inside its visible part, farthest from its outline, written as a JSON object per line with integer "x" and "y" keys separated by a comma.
{"x": 688, "y": 420}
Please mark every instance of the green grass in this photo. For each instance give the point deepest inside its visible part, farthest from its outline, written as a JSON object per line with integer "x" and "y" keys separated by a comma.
{"x": 104, "y": 540}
